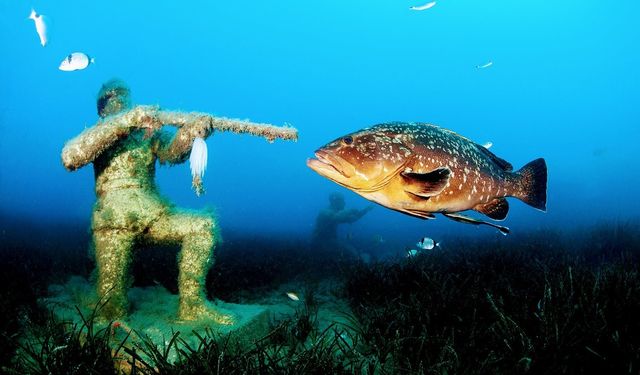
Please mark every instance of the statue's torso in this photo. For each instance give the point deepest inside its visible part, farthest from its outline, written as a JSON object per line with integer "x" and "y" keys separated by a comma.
{"x": 125, "y": 185}
{"x": 326, "y": 227}
{"x": 129, "y": 163}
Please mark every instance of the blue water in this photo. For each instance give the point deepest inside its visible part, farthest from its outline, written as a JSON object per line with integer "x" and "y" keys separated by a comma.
{"x": 564, "y": 85}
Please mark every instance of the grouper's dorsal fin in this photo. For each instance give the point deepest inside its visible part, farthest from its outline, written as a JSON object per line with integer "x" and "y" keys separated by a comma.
{"x": 428, "y": 184}
{"x": 497, "y": 209}
{"x": 505, "y": 165}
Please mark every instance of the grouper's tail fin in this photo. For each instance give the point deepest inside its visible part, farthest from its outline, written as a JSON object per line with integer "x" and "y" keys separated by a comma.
{"x": 530, "y": 184}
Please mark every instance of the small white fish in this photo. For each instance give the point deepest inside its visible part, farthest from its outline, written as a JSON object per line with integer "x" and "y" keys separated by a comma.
{"x": 292, "y": 296}
{"x": 41, "y": 26}
{"x": 427, "y": 244}
{"x": 487, "y": 145}
{"x": 76, "y": 61}
{"x": 411, "y": 253}
{"x": 424, "y": 7}
{"x": 485, "y": 65}
{"x": 198, "y": 158}
{"x": 378, "y": 239}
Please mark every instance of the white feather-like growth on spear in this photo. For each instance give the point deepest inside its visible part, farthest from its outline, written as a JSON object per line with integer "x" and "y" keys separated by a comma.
{"x": 198, "y": 163}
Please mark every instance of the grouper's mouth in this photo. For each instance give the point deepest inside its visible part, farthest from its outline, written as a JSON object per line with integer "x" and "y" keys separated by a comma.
{"x": 330, "y": 166}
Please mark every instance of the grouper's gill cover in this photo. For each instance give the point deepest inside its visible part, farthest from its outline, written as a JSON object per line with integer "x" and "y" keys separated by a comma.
{"x": 420, "y": 169}
{"x": 364, "y": 160}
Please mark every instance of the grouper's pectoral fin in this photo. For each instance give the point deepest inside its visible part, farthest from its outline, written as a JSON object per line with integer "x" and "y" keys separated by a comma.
{"x": 470, "y": 220}
{"x": 426, "y": 185}
{"x": 497, "y": 209}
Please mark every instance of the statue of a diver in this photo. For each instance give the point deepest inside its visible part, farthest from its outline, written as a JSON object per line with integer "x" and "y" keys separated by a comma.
{"x": 124, "y": 147}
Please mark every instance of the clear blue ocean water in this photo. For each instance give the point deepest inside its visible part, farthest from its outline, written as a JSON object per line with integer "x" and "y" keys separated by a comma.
{"x": 564, "y": 85}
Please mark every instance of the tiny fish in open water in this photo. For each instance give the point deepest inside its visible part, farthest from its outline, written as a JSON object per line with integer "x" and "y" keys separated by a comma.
{"x": 484, "y": 66}
{"x": 423, "y": 7}
{"x": 41, "y": 26}
{"x": 76, "y": 61}
{"x": 421, "y": 169}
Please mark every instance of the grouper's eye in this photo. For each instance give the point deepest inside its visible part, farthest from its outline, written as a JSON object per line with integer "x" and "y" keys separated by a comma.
{"x": 347, "y": 140}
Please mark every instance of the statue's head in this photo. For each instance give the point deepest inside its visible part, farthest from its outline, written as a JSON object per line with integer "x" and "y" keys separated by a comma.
{"x": 336, "y": 201}
{"x": 114, "y": 97}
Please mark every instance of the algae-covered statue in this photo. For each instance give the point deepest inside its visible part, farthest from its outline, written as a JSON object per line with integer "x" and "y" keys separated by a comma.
{"x": 325, "y": 232}
{"x": 124, "y": 146}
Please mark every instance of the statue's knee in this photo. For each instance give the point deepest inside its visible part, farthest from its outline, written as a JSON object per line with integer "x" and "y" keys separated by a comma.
{"x": 203, "y": 226}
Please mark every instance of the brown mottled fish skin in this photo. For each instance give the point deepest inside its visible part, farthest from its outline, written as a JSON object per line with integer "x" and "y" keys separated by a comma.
{"x": 419, "y": 169}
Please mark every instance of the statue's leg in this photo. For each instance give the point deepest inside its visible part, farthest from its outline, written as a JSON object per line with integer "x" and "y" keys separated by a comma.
{"x": 197, "y": 235}
{"x": 113, "y": 257}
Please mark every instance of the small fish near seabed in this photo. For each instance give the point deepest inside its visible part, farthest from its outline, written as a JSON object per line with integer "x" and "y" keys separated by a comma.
{"x": 423, "y": 7}
{"x": 412, "y": 253}
{"x": 421, "y": 169}
{"x": 292, "y": 296}
{"x": 41, "y": 26}
{"x": 76, "y": 61}
{"x": 378, "y": 239}
{"x": 427, "y": 243}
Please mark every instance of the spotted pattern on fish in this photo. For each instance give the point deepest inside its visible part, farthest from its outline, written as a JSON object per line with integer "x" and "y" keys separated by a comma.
{"x": 394, "y": 164}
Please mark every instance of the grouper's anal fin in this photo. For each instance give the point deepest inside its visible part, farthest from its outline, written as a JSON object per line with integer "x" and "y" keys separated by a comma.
{"x": 470, "y": 220}
{"x": 428, "y": 184}
{"x": 497, "y": 209}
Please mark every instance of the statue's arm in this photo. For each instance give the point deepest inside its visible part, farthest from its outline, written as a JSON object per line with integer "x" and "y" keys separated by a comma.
{"x": 352, "y": 215}
{"x": 193, "y": 125}
{"x": 175, "y": 148}
{"x": 89, "y": 144}
{"x": 92, "y": 142}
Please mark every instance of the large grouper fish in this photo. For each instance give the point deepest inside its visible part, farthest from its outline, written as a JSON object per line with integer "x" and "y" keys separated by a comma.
{"x": 421, "y": 169}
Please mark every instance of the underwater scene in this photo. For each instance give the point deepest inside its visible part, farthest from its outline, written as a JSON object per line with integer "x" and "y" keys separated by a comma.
{"x": 336, "y": 187}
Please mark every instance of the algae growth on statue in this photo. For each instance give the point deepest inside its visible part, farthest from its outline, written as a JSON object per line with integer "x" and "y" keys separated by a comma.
{"x": 124, "y": 147}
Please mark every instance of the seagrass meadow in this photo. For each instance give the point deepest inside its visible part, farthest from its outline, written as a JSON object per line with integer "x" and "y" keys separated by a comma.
{"x": 542, "y": 302}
